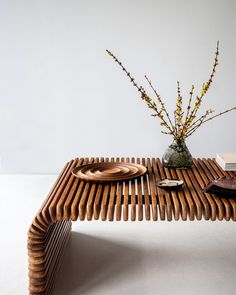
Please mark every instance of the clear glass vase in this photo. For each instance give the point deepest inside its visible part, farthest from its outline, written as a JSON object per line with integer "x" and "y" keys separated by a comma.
{"x": 177, "y": 155}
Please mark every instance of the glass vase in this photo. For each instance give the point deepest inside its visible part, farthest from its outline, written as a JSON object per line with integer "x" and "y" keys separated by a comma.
{"x": 177, "y": 155}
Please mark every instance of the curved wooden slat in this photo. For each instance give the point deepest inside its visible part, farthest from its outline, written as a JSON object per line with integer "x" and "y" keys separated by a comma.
{"x": 140, "y": 198}
{"x": 152, "y": 190}
{"x": 133, "y": 196}
{"x": 174, "y": 196}
{"x": 146, "y": 193}
{"x": 195, "y": 179}
{"x": 193, "y": 194}
{"x": 51, "y": 207}
{"x": 203, "y": 181}
{"x": 167, "y": 198}
{"x": 111, "y": 204}
{"x": 160, "y": 193}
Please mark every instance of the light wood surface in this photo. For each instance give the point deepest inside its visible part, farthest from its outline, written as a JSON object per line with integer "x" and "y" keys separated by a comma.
{"x": 72, "y": 198}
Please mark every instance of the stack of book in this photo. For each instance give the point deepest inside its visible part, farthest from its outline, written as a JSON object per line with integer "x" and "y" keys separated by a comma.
{"x": 227, "y": 161}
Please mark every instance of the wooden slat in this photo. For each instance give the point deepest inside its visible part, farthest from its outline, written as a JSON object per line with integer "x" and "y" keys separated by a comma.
{"x": 112, "y": 199}
{"x": 160, "y": 192}
{"x": 85, "y": 195}
{"x": 63, "y": 197}
{"x": 146, "y": 194}
{"x": 99, "y": 195}
{"x": 64, "y": 186}
{"x": 182, "y": 200}
{"x": 57, "y": 255}
{"x": 105, "y": 199}
{"x": 194, "y": 195}
{"x": 203, "y": 180}
{"x": 152, "y": 190}
{"x": 168, "y": 204}
{"x": 140, "y": 196}
{"x": 119, "y": 201}
{"x": 133, "y": 197}
{"x": 191, "y": 205}
{"x": 126, "y": 198}
{"x": 205, "y": 207}
{"x": 77, "y": 197}
{"x": 111, "y": 204}
{"x": 91, "y": 198}
{"x": 174, "y": 196}
{"x": 50, "y": 260}
{"x": 119, "y": 196}
{"x": 45, "y": 212}
{"x": 96, "y": 204}
{"x": 67, "y": 201}
{"x": 83, "y": 200}
{"x": 72, "y": 211}
{"x": 40, "y": 215}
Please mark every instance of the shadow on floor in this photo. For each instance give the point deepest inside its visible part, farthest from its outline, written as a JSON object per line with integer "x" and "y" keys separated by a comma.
{"x": 90, "y": 261}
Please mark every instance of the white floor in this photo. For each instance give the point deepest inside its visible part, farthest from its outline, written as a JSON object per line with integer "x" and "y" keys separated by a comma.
{"x": 118, "y": 258}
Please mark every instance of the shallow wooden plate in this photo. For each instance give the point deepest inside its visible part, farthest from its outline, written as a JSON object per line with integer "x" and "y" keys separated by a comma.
{"x": 107, "y": 172}
{"x": 170, "y": 183}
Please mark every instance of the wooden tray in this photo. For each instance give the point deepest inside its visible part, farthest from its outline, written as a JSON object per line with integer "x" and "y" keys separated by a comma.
{"x": 107, "y": 172}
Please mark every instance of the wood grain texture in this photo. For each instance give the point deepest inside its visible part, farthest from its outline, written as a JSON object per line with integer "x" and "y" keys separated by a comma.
{"x": 71, "y": 199}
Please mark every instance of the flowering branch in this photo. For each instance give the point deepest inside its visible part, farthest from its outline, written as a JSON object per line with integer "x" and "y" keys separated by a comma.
{"x": 181, "y": 128}
{"x": 159, "y": 99}
{"x": 179, "y": 112}
{"x": 150, "y": 103}
{"x": 202, "y": 120}
{"x": 204, "y": 89}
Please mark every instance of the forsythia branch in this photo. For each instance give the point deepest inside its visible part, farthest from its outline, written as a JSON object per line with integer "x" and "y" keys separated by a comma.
{"x": 182, "y": 128}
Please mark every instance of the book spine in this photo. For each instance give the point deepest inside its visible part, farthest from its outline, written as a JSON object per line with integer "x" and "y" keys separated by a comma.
{"x": 225, "y": 166}
{"x": 221, "y": 162}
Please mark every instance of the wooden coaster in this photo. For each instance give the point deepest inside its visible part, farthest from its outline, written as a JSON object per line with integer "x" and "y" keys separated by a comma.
{"x": 107, "y": 172}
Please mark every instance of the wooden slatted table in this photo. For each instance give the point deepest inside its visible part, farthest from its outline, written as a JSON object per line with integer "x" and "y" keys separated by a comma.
{"x": 71, "y": 199}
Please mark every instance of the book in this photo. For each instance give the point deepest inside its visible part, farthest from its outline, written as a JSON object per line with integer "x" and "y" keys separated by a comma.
{"x": 227, "y": 161}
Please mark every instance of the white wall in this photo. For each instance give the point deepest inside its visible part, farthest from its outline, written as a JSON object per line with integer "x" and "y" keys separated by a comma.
{"x": 62, "y": 96}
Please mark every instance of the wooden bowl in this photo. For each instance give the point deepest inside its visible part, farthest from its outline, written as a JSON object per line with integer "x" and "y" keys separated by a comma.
{"x": 108, "y": 172}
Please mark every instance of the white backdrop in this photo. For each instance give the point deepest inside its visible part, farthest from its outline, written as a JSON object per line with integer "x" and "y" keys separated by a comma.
{"x": 62, "y": 96}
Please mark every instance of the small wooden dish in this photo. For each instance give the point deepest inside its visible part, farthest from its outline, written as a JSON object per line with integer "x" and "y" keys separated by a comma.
{"x": 170, "y": 183}
{"x": 108, "y": 172}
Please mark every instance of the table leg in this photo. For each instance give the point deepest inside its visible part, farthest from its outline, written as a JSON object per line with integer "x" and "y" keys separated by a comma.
{"x": 45, "y": 251}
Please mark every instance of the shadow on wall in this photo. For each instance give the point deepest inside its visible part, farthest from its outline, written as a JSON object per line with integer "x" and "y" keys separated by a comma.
{"x": 90, "y": 261}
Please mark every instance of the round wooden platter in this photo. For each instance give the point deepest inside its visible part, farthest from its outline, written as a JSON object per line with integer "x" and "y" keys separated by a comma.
{"x": 107, "y": 172}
